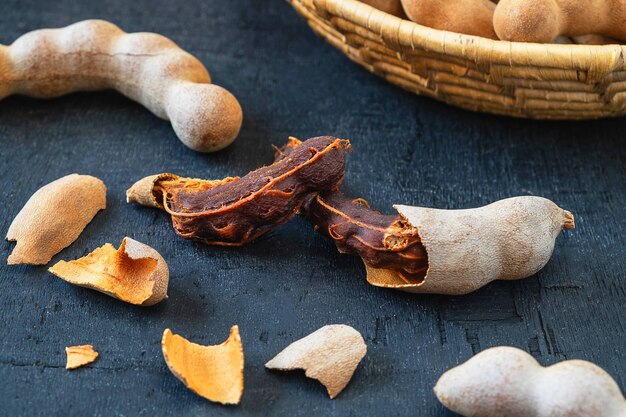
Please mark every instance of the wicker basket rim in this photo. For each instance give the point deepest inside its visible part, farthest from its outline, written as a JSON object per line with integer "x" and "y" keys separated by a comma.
{"x": 405, "y": 33}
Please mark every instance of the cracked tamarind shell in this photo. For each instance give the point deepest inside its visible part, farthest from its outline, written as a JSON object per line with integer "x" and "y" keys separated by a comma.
{"x": 330, "y": 355}
{"x": 53, "y": 218}
{"x": 134, "y": 273}
{"x": 510, "y": 239}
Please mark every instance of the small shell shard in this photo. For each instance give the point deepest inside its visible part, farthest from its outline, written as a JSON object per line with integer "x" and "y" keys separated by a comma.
{"x": 329, "y": 355}
{"x": 213, "y": 372}
{"x": 78, "y": 356}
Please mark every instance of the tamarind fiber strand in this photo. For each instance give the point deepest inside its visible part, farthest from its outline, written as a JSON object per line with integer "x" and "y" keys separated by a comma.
{"x": 540, "y": 81}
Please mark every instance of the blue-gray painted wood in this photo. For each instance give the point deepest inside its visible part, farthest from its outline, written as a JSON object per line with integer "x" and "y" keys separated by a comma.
{"x": 292, "y": 281}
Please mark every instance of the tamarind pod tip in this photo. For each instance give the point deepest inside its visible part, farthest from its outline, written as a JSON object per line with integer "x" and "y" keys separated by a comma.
{"x": 568, "y": 222}
{"x": 206, "y": 117}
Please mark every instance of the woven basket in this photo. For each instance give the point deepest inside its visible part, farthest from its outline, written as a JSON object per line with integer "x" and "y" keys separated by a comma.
{"x": 542, "y": 81}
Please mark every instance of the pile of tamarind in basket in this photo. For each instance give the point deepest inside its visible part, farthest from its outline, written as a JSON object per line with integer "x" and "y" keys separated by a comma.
{"x": 592, "y": 22}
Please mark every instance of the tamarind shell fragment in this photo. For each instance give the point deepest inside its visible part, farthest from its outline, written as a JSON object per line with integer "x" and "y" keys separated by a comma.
{"x": 54, "y": 217}
{"x": 235, "y": 211}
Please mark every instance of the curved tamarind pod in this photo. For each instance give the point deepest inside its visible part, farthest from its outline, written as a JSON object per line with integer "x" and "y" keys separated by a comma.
{"x": 543, "y": 20}
{"x": 510, "y": 239}
{"x": 506, "y": 381}
{"x": 471, "y": 17}
{"x": 235, "y": 211}
{"x": 146, "y": 67}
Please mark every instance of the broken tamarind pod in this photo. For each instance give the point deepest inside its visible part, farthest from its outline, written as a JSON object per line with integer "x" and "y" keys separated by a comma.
{"x": 146, "y": 67}
{"x": 543, "y": 20}
{"x": 134, "y": 273}
{"x": 450, "y": 252}
{"x": 53, "y": 218}
{"x": 235, "y": 211}
{"x": 471, "y": 17}
{"x": 213, "y": 372}
{"x": 329, "y": 355}
{"x": 78, "y": 356}
{"x": 506, "y": 381}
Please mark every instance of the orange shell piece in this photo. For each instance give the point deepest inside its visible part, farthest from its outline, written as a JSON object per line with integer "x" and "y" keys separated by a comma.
{"x": 213, "y": 372}
{"x": 78, "y": 356}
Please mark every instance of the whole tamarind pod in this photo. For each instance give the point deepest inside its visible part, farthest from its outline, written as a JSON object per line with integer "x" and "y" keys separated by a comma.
{"x": 544, "y": 20}
{"x": 425, "y": 250}
{"x": 471, "y": 17}
{"x": 234, "y": 211}
{"x": 146, "y": 67}
{"x": 506, "y": 381}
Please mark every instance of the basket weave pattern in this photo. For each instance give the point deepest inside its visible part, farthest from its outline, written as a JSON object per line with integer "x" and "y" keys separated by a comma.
{"x": 542, "y": 81}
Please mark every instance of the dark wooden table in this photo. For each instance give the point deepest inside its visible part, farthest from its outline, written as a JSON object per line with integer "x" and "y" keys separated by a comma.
{"x": 292, "y": 281}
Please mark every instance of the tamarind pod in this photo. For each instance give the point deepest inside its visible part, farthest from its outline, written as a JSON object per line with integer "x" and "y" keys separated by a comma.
{"x": 544, "y": 20}
{"x": 235, "y": 211}
{"x": 506, "y": 381}
{"x": 471, "y": 17}
{"x": 510, "y": 239}
{"x": 146, "y": 67}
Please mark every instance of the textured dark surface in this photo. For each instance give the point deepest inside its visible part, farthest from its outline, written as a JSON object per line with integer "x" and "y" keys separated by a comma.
{"x": 292, "y": 281}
